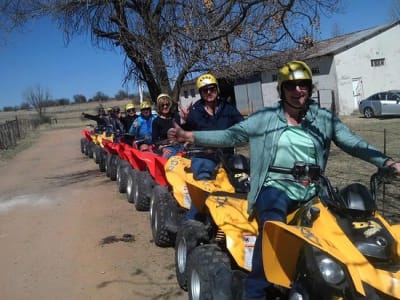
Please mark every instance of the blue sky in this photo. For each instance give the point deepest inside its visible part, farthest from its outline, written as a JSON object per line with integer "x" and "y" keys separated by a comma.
{"x": 38, "y": 56}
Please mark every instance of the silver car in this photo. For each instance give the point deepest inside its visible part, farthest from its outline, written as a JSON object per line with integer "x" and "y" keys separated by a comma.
{"x": 381, "y": 104}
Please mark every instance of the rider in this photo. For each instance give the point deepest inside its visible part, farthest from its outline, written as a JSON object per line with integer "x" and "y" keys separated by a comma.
{"x": 101, "y": 118}
{"x": 141, "y": 128}
{"x": 115, "y": 119}
{"x": 161, "y": 124}
{"x": 130, "y": 115}
{"x": 209, "y": 113}
{"x": 295, "y": 129}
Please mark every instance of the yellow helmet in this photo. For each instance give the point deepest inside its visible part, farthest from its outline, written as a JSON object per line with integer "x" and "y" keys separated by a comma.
{"x": 145, "y": 104}
{"x": 206, "y": 79}
{"x": 293, "y": 70}
{"x": 161, "y": 97}
{"x": 129, "y": 106}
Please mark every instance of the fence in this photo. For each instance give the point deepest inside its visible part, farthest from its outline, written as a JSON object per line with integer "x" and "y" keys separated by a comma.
{"x": 14, "y": 130}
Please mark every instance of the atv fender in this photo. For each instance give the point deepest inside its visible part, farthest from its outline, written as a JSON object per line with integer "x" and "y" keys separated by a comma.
{"x": 281, "y": 246}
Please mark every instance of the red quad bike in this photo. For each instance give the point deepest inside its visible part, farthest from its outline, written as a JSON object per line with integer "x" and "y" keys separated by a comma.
{"x": 87, "y": 140}
{"x": 337, "y": 245}
{"x": 146, "y": 172}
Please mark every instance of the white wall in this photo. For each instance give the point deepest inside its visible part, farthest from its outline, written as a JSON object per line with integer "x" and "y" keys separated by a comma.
{"x": 356, "y": 63}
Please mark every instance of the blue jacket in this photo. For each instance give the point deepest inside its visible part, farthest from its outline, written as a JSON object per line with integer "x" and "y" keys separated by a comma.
{"x": 263, "y": 129}
{"x": 225, "y": 116}
{"x": 143, "y": 128}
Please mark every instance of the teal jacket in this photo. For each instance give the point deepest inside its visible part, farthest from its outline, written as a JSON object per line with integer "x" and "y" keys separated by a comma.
{"x": 263, "y": 129}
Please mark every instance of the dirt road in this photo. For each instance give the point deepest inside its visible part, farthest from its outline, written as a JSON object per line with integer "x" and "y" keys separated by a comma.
{"x": 66, "y": 232}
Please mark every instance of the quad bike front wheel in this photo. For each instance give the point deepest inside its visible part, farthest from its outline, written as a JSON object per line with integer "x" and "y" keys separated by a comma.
{"x": 191, "y": 234}
{"x": 122, "y": 174}
{"x": 160, "y": 210}
{"x": 130, "y": 178}
{"x": 143, "y": 185}
{"x": 209, "y": 274}
{"x": 113, "y": 166}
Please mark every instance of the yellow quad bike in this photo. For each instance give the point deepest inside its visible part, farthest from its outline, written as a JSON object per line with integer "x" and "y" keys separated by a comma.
{"x": 168, "y": 204}
{"x": 99, "y": 154}
{"x": 335, "y": 246}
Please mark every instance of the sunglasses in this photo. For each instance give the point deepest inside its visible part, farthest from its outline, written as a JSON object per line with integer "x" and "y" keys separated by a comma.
{"x": 211, "y": 89}
{"x": 130, "y": 110}
{"x": 146, "y": 109}
{"x": 293, "y": 84}
{"x": 164, "y": 105}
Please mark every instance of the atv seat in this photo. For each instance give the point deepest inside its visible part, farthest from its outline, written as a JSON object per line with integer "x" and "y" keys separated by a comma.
{"x": 357, "y": 198}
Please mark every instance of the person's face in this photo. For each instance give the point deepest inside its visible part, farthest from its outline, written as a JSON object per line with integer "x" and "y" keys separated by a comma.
{"x": 296, "y": 92}
{"x": 209, "y": 93}
{"x": 130, "y": 112}
{"x": 164, "y": 106}
{"x": 145, "y": 112}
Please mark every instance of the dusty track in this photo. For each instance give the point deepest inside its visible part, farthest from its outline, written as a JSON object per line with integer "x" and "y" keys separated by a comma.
{"x": 66, "y": 232}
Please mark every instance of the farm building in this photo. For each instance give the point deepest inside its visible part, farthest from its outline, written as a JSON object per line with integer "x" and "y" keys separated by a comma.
{"x": 345, "y": 68}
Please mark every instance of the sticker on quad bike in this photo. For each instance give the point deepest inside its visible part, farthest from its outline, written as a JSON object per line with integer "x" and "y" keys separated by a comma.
{"x": 229, "y": 213}
{"x": 186, "y": 188}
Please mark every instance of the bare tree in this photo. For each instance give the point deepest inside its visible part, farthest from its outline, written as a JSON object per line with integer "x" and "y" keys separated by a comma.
{"x": 38, "y": 98}
{"x": 168, "y": 41}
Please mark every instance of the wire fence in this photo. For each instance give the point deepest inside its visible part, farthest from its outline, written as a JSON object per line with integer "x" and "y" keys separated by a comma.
{"x": 13, "y": 130}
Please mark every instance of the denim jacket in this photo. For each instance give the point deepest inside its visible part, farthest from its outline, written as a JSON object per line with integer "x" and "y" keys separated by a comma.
{"x": 263, "y": 129}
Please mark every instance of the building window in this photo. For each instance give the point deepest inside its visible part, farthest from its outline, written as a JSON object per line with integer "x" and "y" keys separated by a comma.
{"x": 377, "y": 62}
{"x": 185, "y": 94}
{"x": 192, "y": 93}
{"x": 274, "y": 77}
{"x": 315, "y": 70}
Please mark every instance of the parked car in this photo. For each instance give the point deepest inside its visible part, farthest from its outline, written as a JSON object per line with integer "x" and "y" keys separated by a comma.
{"x": 381, "y": 104}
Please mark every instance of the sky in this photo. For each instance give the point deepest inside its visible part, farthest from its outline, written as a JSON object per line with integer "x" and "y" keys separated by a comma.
{"x": 39, "y": 57}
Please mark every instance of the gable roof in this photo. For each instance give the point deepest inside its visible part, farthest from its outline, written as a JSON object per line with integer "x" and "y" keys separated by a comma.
{"x": 341, "y": 43}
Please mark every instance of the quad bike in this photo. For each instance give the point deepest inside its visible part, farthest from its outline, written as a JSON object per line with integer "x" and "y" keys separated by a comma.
{"x": 336, "y": 245}
{"x": 135, "y": 171}
{"x": 147, "y": 172}
{"x": 99, "y": 154}
{"x": 84, "y": 141}
{"x": 222, "y": 238}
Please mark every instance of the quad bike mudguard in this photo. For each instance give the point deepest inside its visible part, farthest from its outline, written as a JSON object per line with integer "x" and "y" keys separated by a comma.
{"x": 87, "y": 135}
{"x": 147, "y": 161}
{"x": 282, "y": 244}
{"x": 187, "y": 189}
{"x": 229, "y": 212}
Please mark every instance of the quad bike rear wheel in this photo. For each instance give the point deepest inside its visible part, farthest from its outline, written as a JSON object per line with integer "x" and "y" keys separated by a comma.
{"x": 162, "y": 205}
{"x": 122, "y": 175}
{"x": 102, "y": 161}
{"x": 83, "y": 145}
{"x": 113, "y": 166}
{"x": 90, "y": 149}
{"x": 96, "y": 153}
{"x": 108, "y": 164}
{"x": 130, "y": 178}
{"x": 191, "y": 234}
{"x": 209, "y": 274}
{"x": 143, "y": 185}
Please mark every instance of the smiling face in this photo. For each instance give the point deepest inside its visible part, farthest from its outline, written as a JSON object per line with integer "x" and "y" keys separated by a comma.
{"x": 209, "y": 93}
{"x": 164, "y": 106}
{"x": 296, "y": 92}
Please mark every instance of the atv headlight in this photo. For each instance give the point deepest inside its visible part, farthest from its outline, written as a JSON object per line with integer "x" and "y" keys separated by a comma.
{"x": 331, "y": 271}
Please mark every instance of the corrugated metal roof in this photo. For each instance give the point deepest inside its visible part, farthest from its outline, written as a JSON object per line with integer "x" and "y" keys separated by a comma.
{"x": 340, "y": 43}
